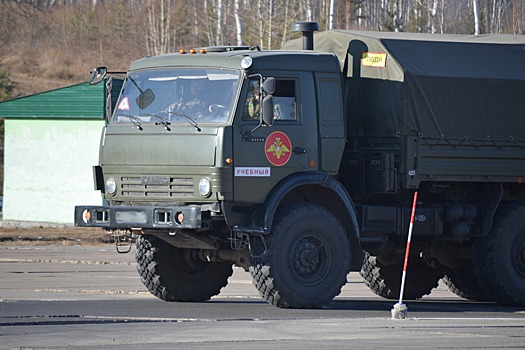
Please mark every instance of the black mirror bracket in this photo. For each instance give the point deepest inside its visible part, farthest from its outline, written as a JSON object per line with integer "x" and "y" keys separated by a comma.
{"x": 267, "y": 110}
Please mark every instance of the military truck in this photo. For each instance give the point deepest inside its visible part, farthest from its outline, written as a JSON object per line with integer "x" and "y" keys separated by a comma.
{"x": 300, "y": 165}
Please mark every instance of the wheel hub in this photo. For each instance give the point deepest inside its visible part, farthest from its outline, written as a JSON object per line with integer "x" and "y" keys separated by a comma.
{"x": 309, "y": 260}
{"x": 190, "y": 263}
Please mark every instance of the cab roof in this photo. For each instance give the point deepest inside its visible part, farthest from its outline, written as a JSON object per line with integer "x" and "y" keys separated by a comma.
{"x": 221, "y": 57}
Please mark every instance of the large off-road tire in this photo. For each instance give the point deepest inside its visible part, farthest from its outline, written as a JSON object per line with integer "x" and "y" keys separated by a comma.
{"x": 462, "y": 282}
{"x": 385, "y": 280}
{"x": 499, "y": 258}
{"x": 175, "y": 274}
{"x": 307, "y": 258}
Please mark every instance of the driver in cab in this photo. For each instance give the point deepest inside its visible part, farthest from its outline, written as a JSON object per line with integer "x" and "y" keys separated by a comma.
{"x": 191, "y": 103}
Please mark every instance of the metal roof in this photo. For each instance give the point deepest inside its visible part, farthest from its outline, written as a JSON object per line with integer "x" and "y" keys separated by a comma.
{"x": 80, "y": 101}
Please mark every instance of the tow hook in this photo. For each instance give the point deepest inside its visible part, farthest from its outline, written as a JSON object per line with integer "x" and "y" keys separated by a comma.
{"x": 123, "y": 240}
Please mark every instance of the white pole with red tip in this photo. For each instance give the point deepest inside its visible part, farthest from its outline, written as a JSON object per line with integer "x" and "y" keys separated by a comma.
{"x": 400, "y": 310}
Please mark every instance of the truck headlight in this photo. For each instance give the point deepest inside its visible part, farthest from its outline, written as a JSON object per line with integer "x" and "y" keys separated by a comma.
{"x": 205, "y": 187}
{"x": 111, "y": 186}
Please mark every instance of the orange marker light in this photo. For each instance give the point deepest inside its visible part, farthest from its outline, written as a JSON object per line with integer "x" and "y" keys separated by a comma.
{"x": 192, "y": 51}
{"x": 182, "y": 51}
{"x": 203, "y": 50}
{"x": 312, "y": 164}
{"x": 179, "y": 218}
{"x": 86, "y": 216}
{"x": 229, "y": 161}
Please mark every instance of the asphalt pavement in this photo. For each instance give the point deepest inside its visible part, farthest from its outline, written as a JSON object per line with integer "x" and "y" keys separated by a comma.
{"x": 91, "y": 297}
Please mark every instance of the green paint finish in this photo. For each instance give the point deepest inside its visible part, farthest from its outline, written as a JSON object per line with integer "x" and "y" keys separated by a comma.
{"x": 48, "y": 168}
{"x": 81, "y": 101}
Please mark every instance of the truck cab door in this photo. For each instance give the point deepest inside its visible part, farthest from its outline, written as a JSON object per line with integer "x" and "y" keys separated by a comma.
{"x": 266, "y": 155}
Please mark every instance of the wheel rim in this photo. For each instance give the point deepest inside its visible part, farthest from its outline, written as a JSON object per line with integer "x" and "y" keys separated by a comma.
{"x": 518, "y": 255}
{"x": 309, "y": 260}
{"x": 190, "y": 264}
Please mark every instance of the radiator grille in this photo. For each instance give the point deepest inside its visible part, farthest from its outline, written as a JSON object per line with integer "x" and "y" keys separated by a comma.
{"x": 175, "y": 188}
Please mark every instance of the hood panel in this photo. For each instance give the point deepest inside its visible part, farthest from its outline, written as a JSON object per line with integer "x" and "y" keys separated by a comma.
{"x": 158, "y": 150}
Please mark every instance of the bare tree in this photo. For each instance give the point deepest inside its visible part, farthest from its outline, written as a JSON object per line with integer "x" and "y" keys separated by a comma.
{"x": 260, "y": 20}
{"x": 218, "y": 13}
{"x": 270, "y": 10}
{"x": 309, "y": 15}
{"x": 159, "y": 28}
{"x": 475, "y": 12}
{"x": 78, "y": 33}
{"x": 238, "y": 22}
{"x": 397, "y": 15}
{"x": 331, "y": 15}
{"x": 517, "y": 18}
{"x": 286, "y": 22}
{"x": 432, "y": 16}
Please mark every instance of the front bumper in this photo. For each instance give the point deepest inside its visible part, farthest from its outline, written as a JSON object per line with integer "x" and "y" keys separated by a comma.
{"x": 128, "y": 217}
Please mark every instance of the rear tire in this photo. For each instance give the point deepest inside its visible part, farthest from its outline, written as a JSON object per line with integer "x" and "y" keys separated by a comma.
{"x": 307, "y": 259}
{"x": 499, "y": 258}
{"x": 462, "y": 282}
{"x": 385, "y": 280}
{"x": 176, "y": 274}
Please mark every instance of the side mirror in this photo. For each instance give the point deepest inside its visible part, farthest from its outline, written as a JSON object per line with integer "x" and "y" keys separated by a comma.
{"x": 145, "y": 98}
{"x": 269, "y": 85}
{"x": 96, "y": 75}
{"x": 267, "y": 110}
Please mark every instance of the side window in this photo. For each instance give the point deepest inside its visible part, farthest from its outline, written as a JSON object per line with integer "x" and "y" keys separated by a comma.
{"x": 285, "y": 105}
{"x": 252, "y": 105}
{"x": 285, "y": 100}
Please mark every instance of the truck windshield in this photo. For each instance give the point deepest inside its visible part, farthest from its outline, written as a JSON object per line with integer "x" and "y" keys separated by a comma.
{"x": 177, "y": 96}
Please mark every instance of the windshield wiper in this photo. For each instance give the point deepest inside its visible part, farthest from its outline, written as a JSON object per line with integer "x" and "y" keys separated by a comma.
{"x": 161, "y": 120}
{"x": 190, "y": 119}
{"x": 133, "y": 119}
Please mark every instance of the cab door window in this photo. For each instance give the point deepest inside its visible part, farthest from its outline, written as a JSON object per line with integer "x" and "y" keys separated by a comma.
{"x": 252, "y": 105}
{"x": 285, "y": 101}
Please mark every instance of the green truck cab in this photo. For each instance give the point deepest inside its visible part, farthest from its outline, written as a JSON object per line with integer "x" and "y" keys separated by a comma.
{"x": 300, "y": 165}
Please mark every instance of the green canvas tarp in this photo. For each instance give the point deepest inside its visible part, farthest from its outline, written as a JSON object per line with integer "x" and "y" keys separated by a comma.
{"x": 447, "y": 87}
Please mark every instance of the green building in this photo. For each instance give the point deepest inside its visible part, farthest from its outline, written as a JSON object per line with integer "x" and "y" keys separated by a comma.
{"x": 51, "y": 142}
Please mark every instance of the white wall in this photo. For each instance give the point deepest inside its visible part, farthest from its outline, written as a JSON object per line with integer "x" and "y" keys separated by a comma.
{"x": 48, "y": 168}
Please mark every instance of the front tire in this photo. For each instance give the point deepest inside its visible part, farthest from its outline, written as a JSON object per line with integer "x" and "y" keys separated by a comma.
{"x": 176, "y": 274}
{"x": 499, "y": 258}
{"x": 385, "y": 279}
{"x": 307, "y": 258}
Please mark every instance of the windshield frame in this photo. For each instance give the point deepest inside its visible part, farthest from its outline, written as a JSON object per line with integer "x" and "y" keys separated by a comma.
{"x": 162, "y": 96}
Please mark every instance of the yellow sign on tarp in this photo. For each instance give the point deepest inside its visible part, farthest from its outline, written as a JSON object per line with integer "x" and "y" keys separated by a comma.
{"x": 374, "y": 59}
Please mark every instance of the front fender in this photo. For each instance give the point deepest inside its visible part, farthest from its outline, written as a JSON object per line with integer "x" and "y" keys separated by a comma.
{"x": 263, "y": 216}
